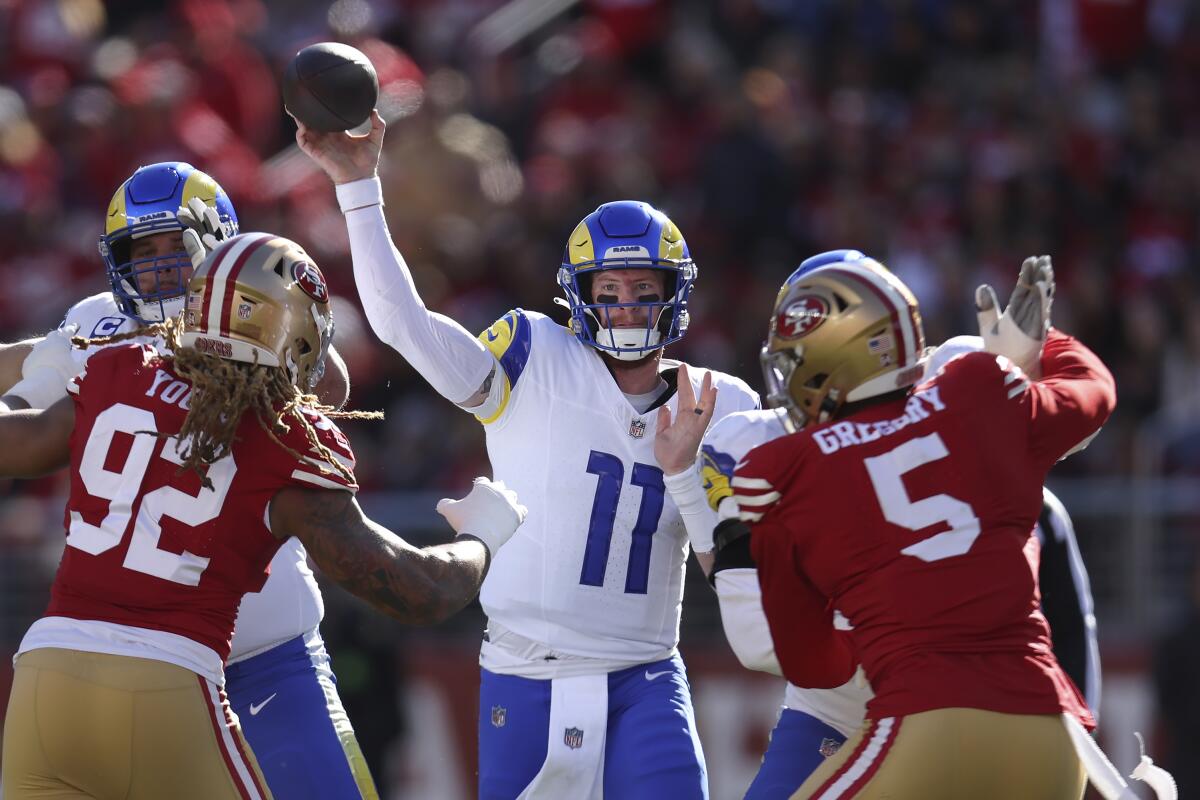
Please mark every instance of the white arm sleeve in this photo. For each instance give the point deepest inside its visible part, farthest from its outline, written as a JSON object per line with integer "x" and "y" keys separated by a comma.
{"x": 447, "y": 355}
{"x": 744, "y": 621}
{"x": 687, "y": 491}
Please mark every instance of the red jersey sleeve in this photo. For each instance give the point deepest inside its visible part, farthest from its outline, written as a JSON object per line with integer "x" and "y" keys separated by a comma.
{"x": 811, "y": 651}
{"x": 1072, "y": 400}
{"x": 316, "y": 468}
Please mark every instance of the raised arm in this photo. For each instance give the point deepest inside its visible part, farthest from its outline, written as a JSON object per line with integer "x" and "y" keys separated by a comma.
{"x": 419, "y": 586}
{"x": 448, "y": 356}
{"x": 34, "y": 443}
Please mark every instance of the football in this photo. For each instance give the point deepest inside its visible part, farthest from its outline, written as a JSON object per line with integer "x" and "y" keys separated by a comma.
{"x": 330, "y": 86}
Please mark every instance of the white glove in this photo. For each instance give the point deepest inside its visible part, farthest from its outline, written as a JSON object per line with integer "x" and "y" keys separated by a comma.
{"x": 490, "y": 512}
{"x": 202, "y": 229}
{"x": 47, "y": 369}
{"x": 1020, "y": 332}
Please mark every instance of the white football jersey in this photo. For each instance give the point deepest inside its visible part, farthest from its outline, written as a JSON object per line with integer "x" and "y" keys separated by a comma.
{"x": 290, "y": 603}
{"x": 725, "y": 444}
{"x": 596, "y": 570}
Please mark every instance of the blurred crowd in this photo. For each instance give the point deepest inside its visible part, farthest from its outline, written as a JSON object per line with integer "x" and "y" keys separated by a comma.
{"x": 948, "y": 138}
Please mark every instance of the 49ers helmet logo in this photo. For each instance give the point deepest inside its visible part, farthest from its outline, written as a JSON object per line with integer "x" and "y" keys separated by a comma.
{"x": 311, "y": 281}
{"x": 801, "y": 317}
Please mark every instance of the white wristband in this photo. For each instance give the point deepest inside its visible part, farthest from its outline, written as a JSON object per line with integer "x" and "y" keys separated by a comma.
{"x": 41, "y": 389}
{"x": 359, "y": 194}
{"x": 687, "y": 490}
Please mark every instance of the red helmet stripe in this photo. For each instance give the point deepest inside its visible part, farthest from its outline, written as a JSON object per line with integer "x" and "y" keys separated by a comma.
{"x": 218, "y": 295}
{"x": 905, "y": 338}
{"x": 231, "y": 279}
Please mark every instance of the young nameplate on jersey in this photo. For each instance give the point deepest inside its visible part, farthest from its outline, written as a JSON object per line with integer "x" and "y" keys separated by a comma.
{"x": 582, "y": 689}
{"x": 189, "y": 468}
{"x": 159, "y": 225}
{"x": 946, "y": 538}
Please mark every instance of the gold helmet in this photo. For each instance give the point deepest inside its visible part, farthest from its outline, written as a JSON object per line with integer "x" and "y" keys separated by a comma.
{"x": 844, "y": 332}
{"x": 260, "y": 298}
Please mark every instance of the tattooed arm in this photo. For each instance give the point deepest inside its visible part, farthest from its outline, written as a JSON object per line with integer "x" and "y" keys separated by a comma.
{"x": 419, "y": 586}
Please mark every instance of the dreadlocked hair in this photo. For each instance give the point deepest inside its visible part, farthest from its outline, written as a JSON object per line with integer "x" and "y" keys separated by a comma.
{"x": 223, "y": 391}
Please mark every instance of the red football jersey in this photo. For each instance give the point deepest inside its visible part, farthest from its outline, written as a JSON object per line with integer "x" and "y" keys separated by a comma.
{"x": 913, "y": 518}
{"x": 147, "y": 546}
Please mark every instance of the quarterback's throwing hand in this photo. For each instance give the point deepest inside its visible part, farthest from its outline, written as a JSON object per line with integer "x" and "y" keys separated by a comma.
{"x": 490, "y": 512}
{"x": 1020, "y": 331}
{"x": 344, "y": 157}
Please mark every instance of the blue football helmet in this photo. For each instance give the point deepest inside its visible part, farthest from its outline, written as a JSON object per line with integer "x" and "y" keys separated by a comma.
{"x": 626, "y": 234}
{"x": 828, "y": 258}
{"x": 151, "y": 289}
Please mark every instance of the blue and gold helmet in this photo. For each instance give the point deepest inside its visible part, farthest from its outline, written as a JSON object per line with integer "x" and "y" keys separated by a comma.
{"x": 627, "y": 234}
{"x": 151, "y": 289}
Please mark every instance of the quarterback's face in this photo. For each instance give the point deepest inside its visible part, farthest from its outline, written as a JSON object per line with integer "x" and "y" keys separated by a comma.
{"x": 171, "y": 280}
{"x": 628, "y": 286}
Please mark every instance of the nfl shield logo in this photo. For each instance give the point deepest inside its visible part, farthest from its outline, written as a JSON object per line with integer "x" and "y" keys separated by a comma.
{"x": 637, "y": 429}
{"x": 573, "y": 738}
{"x": 499, "y": 715}
{"x": 829, "y": 747}
{"x": 244, "y": 311}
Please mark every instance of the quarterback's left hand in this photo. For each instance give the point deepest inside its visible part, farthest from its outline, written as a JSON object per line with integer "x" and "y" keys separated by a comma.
{"x": 677, "y": 442}
{"x": 490, "y": 512}
{"x": 1020, "y": 332}
{"x": 202, "y": 229}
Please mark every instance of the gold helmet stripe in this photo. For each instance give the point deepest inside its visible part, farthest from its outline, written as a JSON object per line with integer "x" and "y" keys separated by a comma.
{"x": 904, "y": 326}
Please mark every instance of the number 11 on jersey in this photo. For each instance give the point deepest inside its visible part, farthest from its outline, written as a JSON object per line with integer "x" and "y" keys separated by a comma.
{"x": 610, "y": 473}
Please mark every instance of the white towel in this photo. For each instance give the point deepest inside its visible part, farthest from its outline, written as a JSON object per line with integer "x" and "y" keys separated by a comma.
{"x": 574, "y": 766}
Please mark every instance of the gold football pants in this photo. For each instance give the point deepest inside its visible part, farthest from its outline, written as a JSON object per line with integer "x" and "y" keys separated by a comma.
{"x": 952, "y": 754}
{"x": 92, "y": 725}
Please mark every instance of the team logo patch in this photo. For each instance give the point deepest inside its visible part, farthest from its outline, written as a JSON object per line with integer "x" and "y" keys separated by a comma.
{"x": 829, "y": 747}
{"x": 214, "y": 346}
{"x": 801, "y": 317}
{"x": 310, "y": 280}
{"x": 637, "y": 429}
{"x": 573, "y": 738}
{"x": 499, "y": 716}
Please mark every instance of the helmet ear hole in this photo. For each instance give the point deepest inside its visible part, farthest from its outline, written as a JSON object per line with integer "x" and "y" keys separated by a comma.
{"x": 816, "y": 380}
{"x": 840, "y": 301}
{"x": 279, "y": 268}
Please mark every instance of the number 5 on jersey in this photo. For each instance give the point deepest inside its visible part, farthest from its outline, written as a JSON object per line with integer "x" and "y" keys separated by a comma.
{"x": 887, "y": 473}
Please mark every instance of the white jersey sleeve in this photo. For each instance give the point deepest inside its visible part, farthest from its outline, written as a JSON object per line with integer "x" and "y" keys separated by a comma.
{"x": 446, "y": 355}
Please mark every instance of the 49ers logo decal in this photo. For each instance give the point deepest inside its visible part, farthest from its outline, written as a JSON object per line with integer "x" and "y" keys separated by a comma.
{"x": 311, "y": 281}
{"x": 801, "y": 317}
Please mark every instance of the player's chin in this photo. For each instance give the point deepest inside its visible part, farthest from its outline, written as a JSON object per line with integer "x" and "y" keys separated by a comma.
{"x": 623, "y": 363}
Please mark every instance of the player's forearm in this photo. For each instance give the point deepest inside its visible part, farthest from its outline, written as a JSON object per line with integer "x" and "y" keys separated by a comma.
{"x": 448, "y": 356}
{"x": 419, "y": 586}
{"x": 1076, "y": 394}
{"x": 743, "y": 619}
